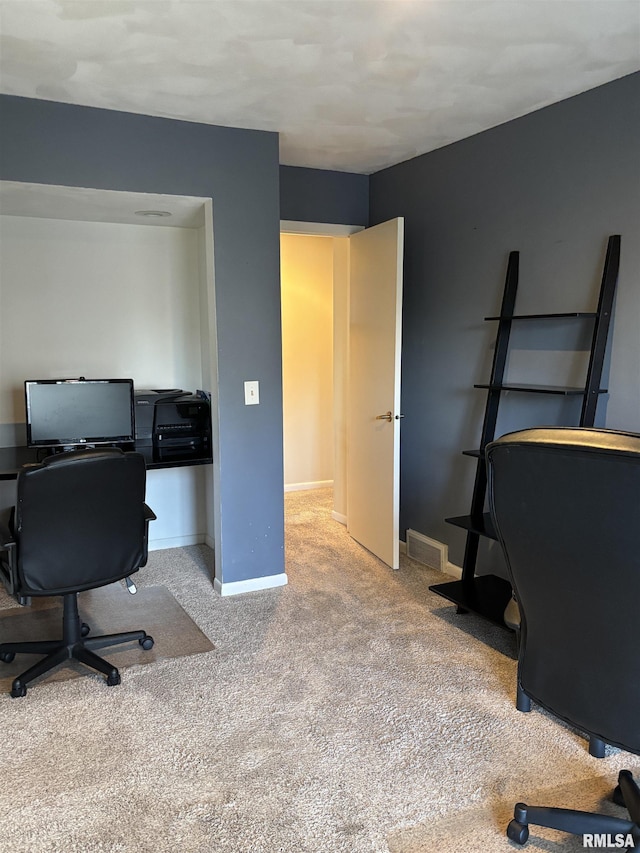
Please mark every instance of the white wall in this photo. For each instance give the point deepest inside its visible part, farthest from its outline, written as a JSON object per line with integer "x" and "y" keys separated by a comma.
{"x": 307, "y": 349}
{"x": 340, "y": 374}
{"x": 74, "y": 299}
{"x": 77, "y": 295}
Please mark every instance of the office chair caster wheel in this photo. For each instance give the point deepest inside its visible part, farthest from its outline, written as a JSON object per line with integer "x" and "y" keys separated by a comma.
{"x": 518, "y": 832}
{"x": 113, "y": 679}
{"x": 84, "y": 629}
{"x": 146, "y": 643}
{"x": 7, "y": 657}
{"x": 18, "y": 689}
{"x": 617, "y": 797}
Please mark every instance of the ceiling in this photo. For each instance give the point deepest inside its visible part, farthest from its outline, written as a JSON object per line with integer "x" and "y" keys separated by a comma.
{"x": 351, "y": 85}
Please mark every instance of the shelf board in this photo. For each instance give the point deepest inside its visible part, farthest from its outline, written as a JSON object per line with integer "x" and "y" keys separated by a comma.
{"x": 540, "y": 389}
{"x": 482, "y": 526}
{"x": 580, "y": 314}
{"x": 487, "y": 595}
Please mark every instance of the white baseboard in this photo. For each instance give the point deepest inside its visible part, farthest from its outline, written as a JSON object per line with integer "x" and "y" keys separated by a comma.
{"x": 251, "y": 585}
{"x": 453, "y": 570}
{"x": 176, "y": 542}
{"x": 303, "y": 487}
{"x": 338, "y": 516}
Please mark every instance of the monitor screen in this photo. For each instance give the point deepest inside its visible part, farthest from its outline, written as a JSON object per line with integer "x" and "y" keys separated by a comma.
{"x": 67, "y": 412}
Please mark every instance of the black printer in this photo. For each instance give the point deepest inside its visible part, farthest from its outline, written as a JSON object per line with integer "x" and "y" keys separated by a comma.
{"x": 175, "y": 423}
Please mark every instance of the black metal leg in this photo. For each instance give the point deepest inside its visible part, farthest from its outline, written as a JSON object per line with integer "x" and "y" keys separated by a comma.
{"x": 583, "y": 823}
{"x": 37, "y": 647}
{"x": 112, "y": 639}
{"x": 566, "y": 820}
{"x": 630, "y": 794}
{"x": 523, "y": 703}
{"x": 94, "y": 661}
{"x": 39, "y": 668}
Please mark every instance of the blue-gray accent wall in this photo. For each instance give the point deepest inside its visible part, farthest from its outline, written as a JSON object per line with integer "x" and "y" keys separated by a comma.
{"x": 554, "y": 185}
{"x": 319, "y": 195}
{"x": 53, "y": 143}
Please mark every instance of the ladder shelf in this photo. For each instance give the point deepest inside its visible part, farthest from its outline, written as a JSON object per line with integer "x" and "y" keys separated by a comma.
{"x": 489, "y": 595}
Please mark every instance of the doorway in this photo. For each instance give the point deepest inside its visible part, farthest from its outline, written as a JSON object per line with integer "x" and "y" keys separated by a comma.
{"x": 356, "y": 308}
{"x": 314, "y": 288}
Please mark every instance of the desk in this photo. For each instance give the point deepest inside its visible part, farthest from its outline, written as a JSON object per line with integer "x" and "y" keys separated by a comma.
{"x": 12, "y": 459}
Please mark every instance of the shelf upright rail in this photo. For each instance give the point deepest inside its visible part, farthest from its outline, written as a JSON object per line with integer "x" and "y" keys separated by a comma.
{"x": 498, "y": 367}
{"x": 601, "y": 331}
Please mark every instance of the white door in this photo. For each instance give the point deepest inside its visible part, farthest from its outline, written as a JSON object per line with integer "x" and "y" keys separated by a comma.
{"x": 375, "y": 329}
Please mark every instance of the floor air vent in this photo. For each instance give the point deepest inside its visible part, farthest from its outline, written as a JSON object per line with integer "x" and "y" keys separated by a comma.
{"x": 428, "y": 551}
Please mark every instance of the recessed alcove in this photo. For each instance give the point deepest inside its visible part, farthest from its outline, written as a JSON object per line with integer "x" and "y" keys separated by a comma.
{"x": 102, "y": 284}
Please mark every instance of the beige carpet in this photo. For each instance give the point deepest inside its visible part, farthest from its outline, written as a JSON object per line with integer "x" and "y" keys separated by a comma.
{"x": 108, "y": 610}
{"x": 351, "y": 711}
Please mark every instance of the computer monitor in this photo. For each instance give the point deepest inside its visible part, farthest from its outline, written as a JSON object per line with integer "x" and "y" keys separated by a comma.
{"x": 79, "y": 412}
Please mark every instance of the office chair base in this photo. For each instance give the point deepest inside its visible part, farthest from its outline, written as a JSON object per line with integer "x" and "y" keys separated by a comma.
{"x": 575, "y": 822}
{"x": 75, "y": 644}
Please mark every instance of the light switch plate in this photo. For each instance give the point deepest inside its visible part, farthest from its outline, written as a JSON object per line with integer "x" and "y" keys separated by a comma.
{"x": 252, "y": 393}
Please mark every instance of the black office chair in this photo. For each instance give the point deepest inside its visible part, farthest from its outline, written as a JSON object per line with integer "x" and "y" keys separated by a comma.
{"x": 566, "y": 507}
{"x": 80, "y": 522}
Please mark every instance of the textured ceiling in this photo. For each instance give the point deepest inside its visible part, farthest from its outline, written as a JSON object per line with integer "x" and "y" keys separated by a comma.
{"x": 349, "y": 85}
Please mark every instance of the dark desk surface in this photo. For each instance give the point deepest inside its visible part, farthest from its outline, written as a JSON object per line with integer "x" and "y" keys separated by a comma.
{"x": 12, "y": 459}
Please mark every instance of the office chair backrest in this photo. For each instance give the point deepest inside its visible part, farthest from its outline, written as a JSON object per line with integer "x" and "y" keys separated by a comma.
{"x": 80, "y": 520}
{"x": 566, "y": 506}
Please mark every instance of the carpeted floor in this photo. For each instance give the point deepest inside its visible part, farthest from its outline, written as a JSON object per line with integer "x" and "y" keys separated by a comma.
{"x": 351, "y": 711}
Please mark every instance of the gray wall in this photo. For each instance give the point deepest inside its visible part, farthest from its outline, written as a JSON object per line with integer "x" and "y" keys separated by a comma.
{"x": 554, "y": 185}
{"x": 52, "y": 143}
{"x": 318, "y": 195}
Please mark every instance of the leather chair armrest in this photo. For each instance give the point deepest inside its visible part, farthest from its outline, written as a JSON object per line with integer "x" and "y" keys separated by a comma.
{"x": 149, "y": 515}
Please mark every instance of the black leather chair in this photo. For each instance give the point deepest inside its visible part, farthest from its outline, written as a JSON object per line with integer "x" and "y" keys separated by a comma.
{"x": 80, "y": 522}
{"x": 566, "y": 507}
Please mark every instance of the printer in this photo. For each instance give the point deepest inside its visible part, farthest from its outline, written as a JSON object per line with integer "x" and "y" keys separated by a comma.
{"x": 176, "y": 424}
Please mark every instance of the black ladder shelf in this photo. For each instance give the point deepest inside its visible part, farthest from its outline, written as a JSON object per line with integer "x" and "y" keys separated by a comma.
{"x": 489, "y": 595}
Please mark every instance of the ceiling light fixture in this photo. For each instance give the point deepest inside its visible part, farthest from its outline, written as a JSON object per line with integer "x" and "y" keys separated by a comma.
{"x": 152, "y": 213}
